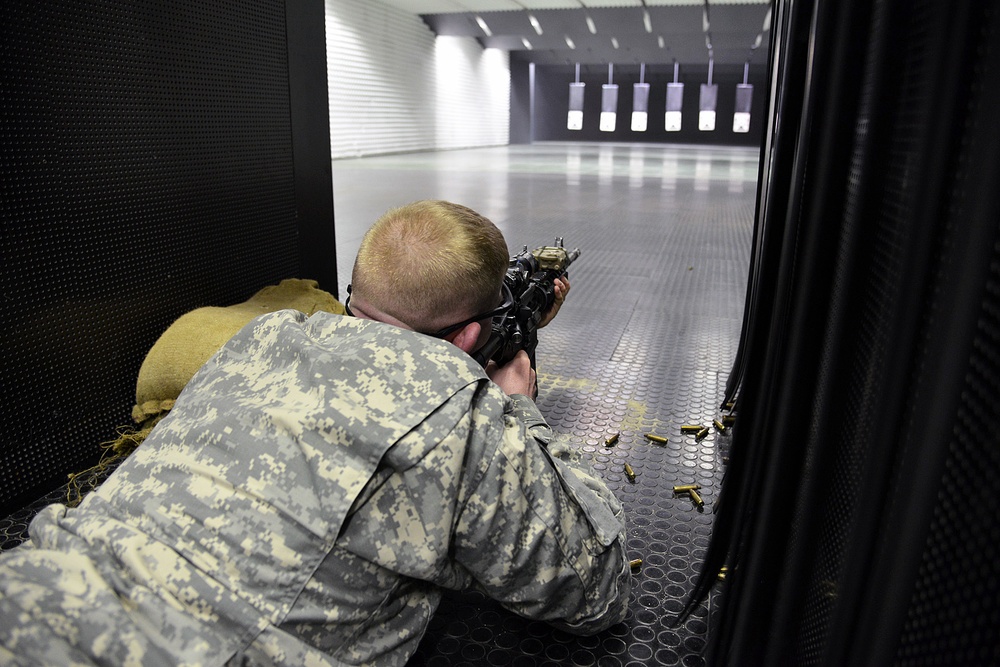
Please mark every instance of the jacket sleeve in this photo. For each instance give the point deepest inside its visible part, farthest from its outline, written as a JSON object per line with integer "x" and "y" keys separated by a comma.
{"x": 539, "y": 531}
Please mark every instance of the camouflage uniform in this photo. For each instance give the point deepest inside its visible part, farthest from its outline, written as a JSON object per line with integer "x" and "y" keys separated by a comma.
{"x": 317, "y": 484}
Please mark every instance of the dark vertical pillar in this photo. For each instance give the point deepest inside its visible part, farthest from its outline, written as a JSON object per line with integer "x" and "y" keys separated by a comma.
{"x": 520, "y": 102}
{"x": 310, "y": 117}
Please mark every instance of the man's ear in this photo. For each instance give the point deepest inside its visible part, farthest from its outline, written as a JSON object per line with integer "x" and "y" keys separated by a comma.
{"x": 467, "y": 337}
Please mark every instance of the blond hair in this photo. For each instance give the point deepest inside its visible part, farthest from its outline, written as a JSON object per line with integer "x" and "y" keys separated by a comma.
{"x": 431, "y": 263}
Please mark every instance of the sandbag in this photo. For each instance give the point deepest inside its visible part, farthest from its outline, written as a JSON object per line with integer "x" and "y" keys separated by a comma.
{"x": 195, "y": 336}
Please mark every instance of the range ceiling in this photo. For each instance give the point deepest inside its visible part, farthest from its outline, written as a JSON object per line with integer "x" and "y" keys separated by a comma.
{"x": 651, "y": 32}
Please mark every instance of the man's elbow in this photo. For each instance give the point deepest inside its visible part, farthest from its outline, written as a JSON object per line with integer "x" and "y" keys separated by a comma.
{"x": 608, "y": 607}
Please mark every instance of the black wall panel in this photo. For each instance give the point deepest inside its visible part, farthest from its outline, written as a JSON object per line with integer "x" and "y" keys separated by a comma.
{"x": 520, "y": 103}
{"x": 147, "y": 169}
{"x": 860, "y": 516}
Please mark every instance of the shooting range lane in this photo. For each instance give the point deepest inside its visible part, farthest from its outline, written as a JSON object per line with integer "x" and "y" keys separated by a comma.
{"x": 644, "y": 345}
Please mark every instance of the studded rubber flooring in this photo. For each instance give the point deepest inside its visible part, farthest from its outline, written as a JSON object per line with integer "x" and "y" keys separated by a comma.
{"x": 642, "y": 347}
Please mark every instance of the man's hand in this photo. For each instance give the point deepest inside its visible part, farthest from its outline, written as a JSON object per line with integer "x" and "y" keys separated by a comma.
{"x": 516, "y": 376}
{"x": 561, "y": 287}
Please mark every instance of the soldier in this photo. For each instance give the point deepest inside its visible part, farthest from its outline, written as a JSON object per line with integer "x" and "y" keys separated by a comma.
{"x": 321, "y": 480}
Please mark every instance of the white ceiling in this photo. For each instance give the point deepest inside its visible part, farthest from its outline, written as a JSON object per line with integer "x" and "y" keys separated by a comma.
{"x": 628, "y": 32}
{"x": 447, "y": 6}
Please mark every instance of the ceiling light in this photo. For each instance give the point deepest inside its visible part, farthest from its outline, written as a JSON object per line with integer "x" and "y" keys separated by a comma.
{"x": 526, "y": 43}
{"x": 590, "y": 25}
{"x": 614, "y": 42}
{"x": 535, "y": 24}
{"x": 482, "y": 24}
{"x": 647, "y": 21}
{"x": 569, "y": 42}
{"x": 661, "y": 42}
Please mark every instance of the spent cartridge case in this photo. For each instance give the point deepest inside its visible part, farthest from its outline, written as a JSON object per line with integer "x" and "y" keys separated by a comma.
{"x": 684, "y": 488}
{"x": 635, "y": 563}
{"x": 696, "y": 498}
{"x": 612, "y": 440}
{"x": 656, "y": 438}
{"x": 700, "y": 435}
{"x": 630, "y": 473}
{"x": 719, "y": 426}
{"x": 691, "y": 428}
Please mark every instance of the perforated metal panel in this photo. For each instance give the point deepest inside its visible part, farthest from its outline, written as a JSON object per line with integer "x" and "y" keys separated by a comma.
{"x": 953, "y": 609}
{"x": 953, "y": 616}
{"x": 147, "y": 170}
{"x": 879, "y": 234}
{"x": 868, "y": 532}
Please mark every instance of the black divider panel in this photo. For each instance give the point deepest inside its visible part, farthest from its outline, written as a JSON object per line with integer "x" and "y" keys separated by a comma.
{"x": 859, "y": 514}
{"x": 147, "y": 169}
{"x": 952, "y": 614}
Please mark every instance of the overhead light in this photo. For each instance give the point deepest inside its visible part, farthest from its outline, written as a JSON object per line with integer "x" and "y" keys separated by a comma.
{"x": 661, "y": 42}
{"x": 535, "y": 24}
{"x": 482, "y": 24}
{"x": 614, "y": 42}
{"x": 760, "y": 35}
{"x": 569, "y": 42}
{"x": 590, "y": 25}
{"x": 526, "y": 43}
{"x": 647, "y": 21}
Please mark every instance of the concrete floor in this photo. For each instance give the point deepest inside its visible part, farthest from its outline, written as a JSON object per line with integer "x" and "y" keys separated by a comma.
{"x": 643, "y": 345}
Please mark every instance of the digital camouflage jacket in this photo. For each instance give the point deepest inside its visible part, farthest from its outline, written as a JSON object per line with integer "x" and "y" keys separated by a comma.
{"x": 318, "y": 483}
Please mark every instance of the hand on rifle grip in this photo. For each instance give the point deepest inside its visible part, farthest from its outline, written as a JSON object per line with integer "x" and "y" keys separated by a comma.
{"x": 516, "y": 376}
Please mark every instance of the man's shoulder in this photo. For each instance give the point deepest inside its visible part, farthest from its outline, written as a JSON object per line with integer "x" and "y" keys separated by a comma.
{"x": 374, "y": 344}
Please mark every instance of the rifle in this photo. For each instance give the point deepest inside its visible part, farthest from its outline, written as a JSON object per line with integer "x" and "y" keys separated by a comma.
{"x": 531, "y": 280}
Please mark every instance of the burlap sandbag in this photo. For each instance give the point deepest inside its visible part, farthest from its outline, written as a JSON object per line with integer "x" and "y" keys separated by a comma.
{"x": 189, "y": 342}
